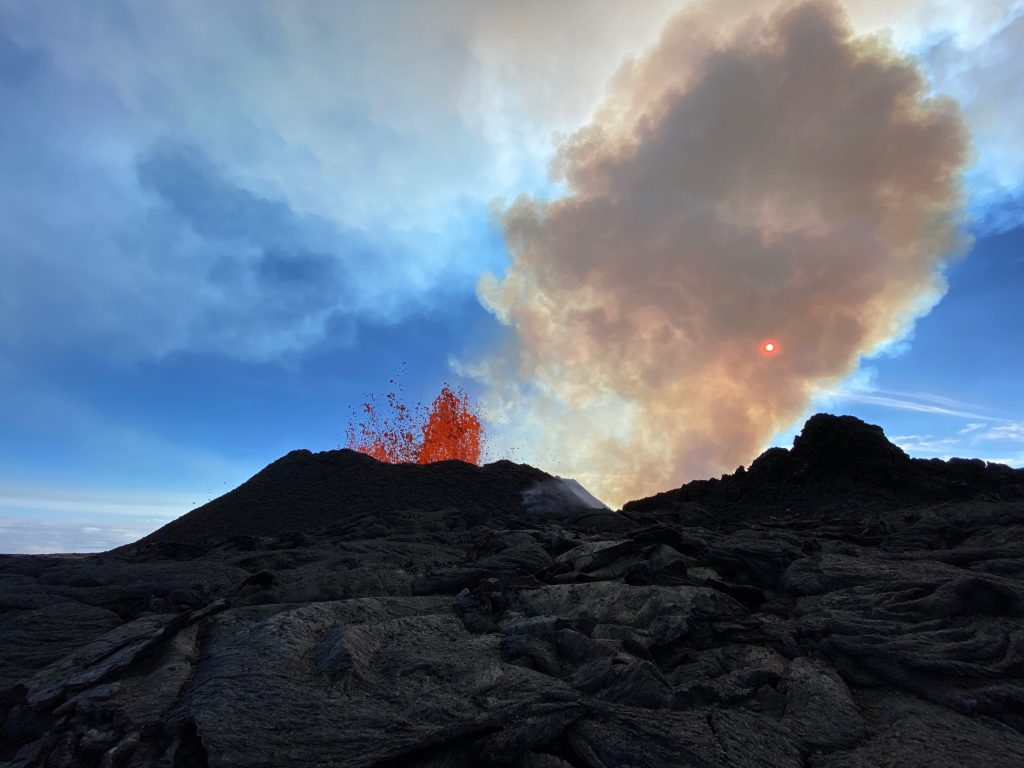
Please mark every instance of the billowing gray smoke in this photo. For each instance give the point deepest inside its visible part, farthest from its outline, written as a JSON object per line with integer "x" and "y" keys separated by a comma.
{"x": 751, "y": 177}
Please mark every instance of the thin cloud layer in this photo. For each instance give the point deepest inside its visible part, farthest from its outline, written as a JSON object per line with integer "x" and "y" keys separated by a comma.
{"x": 752, "y": 177}
{"x": 248, "y": 179}
{"x": 987, "y": 79}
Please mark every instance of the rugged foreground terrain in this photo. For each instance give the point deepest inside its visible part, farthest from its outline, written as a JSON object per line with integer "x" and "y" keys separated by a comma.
{"x": 836, "y": 606}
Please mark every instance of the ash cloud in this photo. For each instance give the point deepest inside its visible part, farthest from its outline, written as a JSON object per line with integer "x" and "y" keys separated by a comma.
{"x": 754, "y": 175}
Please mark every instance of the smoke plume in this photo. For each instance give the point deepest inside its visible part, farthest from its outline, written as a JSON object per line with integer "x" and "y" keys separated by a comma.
{"x": 755, "y": 176}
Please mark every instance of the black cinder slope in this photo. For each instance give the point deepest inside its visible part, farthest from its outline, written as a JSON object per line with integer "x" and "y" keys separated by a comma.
{"x": 305, "y": 491}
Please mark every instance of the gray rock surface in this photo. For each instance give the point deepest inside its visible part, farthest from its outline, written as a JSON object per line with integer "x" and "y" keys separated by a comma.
{"x": 762, "y": 620}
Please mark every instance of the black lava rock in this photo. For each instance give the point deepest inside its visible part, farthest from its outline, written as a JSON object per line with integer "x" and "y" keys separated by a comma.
{"x": 836, "y": 605}
{"x": 844, "y": 446}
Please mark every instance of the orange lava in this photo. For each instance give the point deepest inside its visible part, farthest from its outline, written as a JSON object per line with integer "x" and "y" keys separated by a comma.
{"x": 452, "y": 431}
{"x": 400, "y": 434}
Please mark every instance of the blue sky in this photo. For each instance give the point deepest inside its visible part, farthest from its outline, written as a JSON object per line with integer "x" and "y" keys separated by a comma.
{"x": 222, "y": 227}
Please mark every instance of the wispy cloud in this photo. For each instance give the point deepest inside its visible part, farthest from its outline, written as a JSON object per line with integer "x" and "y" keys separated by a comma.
{"x": 976, "y": 446}
{"x": 925, "y": 444}
{"x": 918, "y": 402}
{"x": 1012, "y": 431}
{"x": 968, "y": 428}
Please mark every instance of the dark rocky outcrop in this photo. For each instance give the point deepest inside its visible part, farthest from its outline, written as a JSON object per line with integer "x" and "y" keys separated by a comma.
{"x": 305, "y": 491}
{"x": 838, "y": 605}
{"x": 839, "y": 468}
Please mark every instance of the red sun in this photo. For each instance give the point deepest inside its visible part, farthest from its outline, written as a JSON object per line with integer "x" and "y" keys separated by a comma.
{"x": 769, "y": 347}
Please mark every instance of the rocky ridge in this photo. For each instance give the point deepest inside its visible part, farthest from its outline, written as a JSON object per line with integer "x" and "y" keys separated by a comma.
{"x": 838, "y": 605}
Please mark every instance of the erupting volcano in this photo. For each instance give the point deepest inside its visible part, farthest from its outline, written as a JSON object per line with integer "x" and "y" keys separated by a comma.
{"x": 400, "y": 434}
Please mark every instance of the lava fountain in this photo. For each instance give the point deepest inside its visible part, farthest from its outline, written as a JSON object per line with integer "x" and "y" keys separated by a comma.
{"x": 397, "y": 433}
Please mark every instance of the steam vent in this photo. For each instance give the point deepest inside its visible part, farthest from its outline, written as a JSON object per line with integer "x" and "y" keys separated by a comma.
{"x": 836, "y": 605}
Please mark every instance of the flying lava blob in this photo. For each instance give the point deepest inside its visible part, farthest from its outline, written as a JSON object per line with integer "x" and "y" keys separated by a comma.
{"x": 397, "y": 433}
